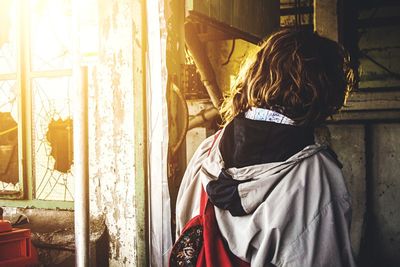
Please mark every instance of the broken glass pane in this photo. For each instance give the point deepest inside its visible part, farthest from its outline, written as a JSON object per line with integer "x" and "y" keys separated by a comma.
{"x": 51, "y": 34}
{"x": 8, "y": 32}
{"x": 9, "y": 174}
{"x": 52, "y": 138}
{"x": 59, "y": 135}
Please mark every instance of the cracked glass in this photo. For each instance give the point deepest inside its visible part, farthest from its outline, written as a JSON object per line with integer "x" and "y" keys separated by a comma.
{"x": 52, "y": 138}
{"x": 9, "y": 122}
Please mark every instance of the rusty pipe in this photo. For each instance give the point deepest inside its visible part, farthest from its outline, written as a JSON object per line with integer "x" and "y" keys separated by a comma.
{"x": 203, "y": 117}
{"x": 200, "y": 57}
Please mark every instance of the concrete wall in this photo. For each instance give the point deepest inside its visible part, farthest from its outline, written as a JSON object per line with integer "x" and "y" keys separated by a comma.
{"x": 348, "y": 141}
{"x": 384, "y": 190}
{"x": 370, "y": 153}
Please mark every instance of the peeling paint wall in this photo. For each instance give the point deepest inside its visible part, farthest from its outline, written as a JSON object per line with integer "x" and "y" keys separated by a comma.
{"x": 111, "y": 149}
{"x": 112, "y": 131}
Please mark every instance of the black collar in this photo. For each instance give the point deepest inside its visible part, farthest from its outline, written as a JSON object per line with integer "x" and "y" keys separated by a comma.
{"x": 248, "y": 142}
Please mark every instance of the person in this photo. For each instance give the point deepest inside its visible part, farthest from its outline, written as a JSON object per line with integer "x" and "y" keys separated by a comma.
{"x": 279, "y": 198}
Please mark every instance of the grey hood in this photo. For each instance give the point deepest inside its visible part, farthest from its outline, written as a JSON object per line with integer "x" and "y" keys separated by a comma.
{"x": 257, "y": 181}
{"x": 298, "y": 210}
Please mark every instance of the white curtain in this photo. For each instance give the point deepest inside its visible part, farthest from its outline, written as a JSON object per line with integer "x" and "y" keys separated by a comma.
{"x": 159, "y": 200}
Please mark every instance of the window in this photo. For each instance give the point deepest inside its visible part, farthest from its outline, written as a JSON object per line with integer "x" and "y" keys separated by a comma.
{"x": 36, "y": 124}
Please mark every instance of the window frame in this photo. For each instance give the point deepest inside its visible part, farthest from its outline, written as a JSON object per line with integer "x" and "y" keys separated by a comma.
{"x": 23, "y": 76}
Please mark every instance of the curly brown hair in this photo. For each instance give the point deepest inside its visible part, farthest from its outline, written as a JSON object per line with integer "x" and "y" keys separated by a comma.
{"x": 297, "y": 73}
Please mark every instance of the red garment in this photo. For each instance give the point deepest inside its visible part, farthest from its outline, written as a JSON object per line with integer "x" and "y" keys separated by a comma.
{"x": 214, "y": 252}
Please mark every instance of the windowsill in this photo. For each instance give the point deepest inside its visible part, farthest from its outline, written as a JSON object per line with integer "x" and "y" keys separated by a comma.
{"x": 40, "y": 204}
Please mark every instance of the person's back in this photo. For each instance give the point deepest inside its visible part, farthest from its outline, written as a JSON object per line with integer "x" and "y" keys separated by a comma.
{"x": 279, "y": 198}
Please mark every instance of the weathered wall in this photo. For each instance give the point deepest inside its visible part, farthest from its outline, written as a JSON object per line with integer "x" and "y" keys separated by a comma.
{"x": 348, "y": 141}
{"x": 379, "y": 45}
{"x": 384, "y": 233}
{"x": 112, "y": 131}
{"x": 370, "y": 153}
{"x": 113, "y": 80}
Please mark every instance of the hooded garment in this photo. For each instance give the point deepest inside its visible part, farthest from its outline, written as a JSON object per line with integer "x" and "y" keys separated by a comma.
{"x": 294, "y": 212}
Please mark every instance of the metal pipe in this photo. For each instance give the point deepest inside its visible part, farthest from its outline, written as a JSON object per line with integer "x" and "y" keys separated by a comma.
{"x": 81, "y": 167}
{"x": 200, "y": 57}
{"x": 203, "y": 117}
{"x": 80, "y": 141}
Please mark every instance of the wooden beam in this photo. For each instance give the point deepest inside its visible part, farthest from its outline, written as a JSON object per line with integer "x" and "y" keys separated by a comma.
{"x": 374, "y": 100}
{"x": 381, "y": 116}
{"x": 379, "y": 22}
{"x": 293, "y": 10}
{"x": 196, "y": 17}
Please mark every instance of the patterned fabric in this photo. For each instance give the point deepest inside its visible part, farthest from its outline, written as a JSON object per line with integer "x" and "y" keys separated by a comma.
{"x": 261, "y": 114}
{"x": 187, "y": 247}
